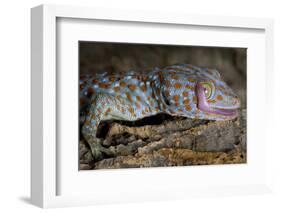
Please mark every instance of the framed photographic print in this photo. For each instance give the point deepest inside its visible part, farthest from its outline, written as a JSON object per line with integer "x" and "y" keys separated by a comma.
{"x": 130, "y": 106}
{"x": 161, "y": 119}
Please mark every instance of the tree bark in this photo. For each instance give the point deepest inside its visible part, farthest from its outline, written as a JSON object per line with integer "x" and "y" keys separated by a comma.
{"x": 163, "y": 140}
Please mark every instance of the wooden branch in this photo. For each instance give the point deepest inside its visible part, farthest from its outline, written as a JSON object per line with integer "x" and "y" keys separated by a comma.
{"x": 170, "y": 141}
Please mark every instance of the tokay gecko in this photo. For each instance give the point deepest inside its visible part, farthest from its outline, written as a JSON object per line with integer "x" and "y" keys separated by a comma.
{"x": 178, "y": 90}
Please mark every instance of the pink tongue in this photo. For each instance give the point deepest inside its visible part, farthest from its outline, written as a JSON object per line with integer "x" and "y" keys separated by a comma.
{"x": 227, "y": 112}
{"x": 204, "y": 106}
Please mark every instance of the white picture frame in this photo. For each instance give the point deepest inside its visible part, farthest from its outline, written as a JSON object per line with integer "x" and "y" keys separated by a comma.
{"x": 45, "y": 174}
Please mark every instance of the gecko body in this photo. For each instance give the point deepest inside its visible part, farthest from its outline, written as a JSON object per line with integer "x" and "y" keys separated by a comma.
{"x": 178, "y": 90}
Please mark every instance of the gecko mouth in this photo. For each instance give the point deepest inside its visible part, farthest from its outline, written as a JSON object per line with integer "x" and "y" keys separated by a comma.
{"x": 221, "y": 111}
{"x": 203, "y": 105}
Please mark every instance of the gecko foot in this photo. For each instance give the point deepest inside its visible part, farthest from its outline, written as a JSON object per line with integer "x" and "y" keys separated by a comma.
{"x": 98, "y": 151}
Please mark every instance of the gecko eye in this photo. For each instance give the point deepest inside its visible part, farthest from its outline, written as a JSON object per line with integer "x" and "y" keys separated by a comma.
{"x": 208, "y": 89}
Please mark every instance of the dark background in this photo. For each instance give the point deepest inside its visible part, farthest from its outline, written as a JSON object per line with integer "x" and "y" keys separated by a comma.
{"x": 231, "y": 62}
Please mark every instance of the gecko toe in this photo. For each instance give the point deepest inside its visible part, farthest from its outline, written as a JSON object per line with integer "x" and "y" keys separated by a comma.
{"x": 99, "y": 152}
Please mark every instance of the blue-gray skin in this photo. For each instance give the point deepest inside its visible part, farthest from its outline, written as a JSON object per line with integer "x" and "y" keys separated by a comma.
{"x": 178, "y": 90}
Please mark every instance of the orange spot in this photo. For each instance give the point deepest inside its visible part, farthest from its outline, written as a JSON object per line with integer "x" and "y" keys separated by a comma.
{"x": 122, "y": 110}
{"x": 122, "y": 84}
{"x": 95, "y": 81}
{"x": 167, "y": 83}
{"x": 138, "y": 98}
{"x": 82, "y": 77}
{"x": 219, "y": 97}
{"x": 158, "y": 91}
{"x": 131, "y": 109}
{"x": 93, "y": 117}
{"x": 185, "y": 93}
{"x": 87, "y": 122}
{"x": 177, "y": 104}
{"x": 176, "y": 98}
{"x": 143, "y": 88}
{"x": 186, "y": 102}
{"x": 81, "y": 86}
{"x": 192, "y": 80}
{"x": 132, "y": 87}
{"x": 175, "y": 77}
{"x": 103, "y": 85}
{"x": 116, "y": 89}
{"x": 90, "y": 91}
{"x": 177, "y": 85}
{"x": 129, "y": 96}
{"x": 119, "y": 98}
{"x": 187, "y": 107}
{"x": 189, "y": 87}
{"x": 112, "y": 78}
{"x": 146, "y": 109}
{"x": 144, "y": 78}
{"x": 211, "y": 101}
{"x": 143, "y": 112}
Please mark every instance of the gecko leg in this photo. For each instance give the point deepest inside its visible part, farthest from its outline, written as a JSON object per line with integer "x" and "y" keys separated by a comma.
{"x": 102, "y": 107}
{"x": 94, "y": 116}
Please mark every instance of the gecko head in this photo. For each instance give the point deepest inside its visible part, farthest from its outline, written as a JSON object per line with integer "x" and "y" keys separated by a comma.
{"x": 215, "y": 99}
{"x": 197, "y": 93}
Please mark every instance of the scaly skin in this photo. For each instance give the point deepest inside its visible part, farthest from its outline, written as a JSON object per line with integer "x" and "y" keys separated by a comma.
{"x": 178, "y": 90}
